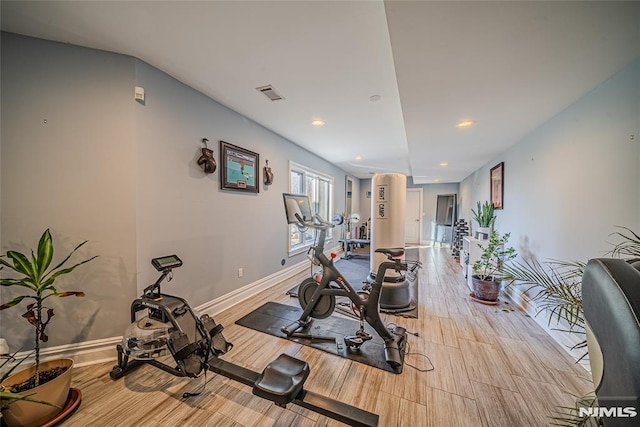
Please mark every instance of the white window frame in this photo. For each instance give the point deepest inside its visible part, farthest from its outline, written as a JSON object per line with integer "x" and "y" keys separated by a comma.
{"x": 308, "y": 172}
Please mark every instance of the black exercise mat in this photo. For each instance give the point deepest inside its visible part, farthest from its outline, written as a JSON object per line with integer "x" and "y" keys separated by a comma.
{"x": 271, "y": 316}
{"x": 356, "y": 270}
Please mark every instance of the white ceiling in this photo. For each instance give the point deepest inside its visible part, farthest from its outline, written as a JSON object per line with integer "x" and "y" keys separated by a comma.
{"x": 509, "y": 66}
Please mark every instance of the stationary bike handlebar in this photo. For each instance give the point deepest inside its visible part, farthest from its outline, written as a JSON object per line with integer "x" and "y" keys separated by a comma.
{"x": 316, "y": 223}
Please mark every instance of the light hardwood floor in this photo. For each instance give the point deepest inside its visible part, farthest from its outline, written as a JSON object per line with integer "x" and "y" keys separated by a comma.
{"x": 493, "y": 366}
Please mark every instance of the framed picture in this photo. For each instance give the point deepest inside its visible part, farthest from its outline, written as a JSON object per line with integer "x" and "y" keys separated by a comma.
{"x": 239, "y": 171}
{"x": 497, "y": 185}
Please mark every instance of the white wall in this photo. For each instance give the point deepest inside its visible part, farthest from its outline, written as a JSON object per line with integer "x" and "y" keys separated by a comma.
{"x": 356, "y": 199}
{"x": 365, "y": 202}
{"x": 430, "y": 194}
{"x": 571, "y": 181}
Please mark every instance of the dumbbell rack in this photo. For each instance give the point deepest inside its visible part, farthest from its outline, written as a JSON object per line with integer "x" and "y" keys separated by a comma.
{"x": 461, "y": 229}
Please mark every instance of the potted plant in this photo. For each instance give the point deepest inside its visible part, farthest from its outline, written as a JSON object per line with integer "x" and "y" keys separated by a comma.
{"x": 556, "y": 286}
{"x": 488, "y": 269}
{"x": 49, "y": 381}
{"x": 6, "y": 395}
{"x": 556, "y": 289}
{"x": 485, "y": 217}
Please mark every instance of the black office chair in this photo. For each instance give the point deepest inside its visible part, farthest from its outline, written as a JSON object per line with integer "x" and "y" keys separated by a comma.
{"x": 611, "y": 297}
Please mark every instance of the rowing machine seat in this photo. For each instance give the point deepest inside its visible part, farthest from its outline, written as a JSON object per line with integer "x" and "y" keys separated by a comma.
{"x": 282, "y": 380}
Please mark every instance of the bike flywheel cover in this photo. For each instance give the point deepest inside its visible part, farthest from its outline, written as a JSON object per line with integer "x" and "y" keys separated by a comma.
{"x": 325, "y": 305}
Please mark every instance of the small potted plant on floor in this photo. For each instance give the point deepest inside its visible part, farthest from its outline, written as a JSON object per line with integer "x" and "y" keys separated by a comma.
{"x": 6, "y": 395}
{"x": 488, "y": 270}
{"x": 48, "y": 381}
{"x": 485, "y": 217}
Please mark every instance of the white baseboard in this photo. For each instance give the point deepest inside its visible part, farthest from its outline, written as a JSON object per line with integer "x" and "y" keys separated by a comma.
{"x": 104, "y": 350}
{"x": 226, "y": 301}
{"x": 422, "y": 244}
{"x": 84, "y": 353}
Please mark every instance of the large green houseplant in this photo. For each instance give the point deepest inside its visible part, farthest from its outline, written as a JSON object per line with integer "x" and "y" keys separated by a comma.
{"x": 488, "y": 269}
{"x": 485, "y": 217}
{"x": 556, "y": 288}
{"x": 36, "y": 279}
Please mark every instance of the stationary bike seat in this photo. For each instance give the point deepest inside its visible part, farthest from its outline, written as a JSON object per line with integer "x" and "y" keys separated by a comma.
{"x": 394, "y": 252}
{"x": 282, "y": 379}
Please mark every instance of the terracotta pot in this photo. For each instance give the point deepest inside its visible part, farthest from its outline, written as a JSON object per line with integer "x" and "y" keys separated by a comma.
{"x": 486, "y": 290}
{"x": 56, "y": 391}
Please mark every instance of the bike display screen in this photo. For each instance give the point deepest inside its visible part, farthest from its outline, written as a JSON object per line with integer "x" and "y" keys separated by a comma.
{"x": 170, "y": 261}
{"x": 297, "y": 204}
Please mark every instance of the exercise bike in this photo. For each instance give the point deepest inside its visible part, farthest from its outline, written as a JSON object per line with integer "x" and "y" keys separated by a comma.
{"x": 163, "y": 324}
{"x": 318, "y": 298}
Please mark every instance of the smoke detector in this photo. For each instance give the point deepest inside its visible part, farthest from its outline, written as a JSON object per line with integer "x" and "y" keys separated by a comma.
{"x": 270, "y": 93}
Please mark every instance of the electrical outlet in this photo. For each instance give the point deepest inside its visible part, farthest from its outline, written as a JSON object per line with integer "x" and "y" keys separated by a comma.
{"x": 240, "y": 272}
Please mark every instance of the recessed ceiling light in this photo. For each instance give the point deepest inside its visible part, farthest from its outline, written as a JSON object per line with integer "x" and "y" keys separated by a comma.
{"x": 436, "y": 180}
{"x": 317, "y": 123}
{"x": 444, "y": 164}
{"x": 374, "y": 98}
{"x": 465, "y": 123}
{"x": 358, "y": 157}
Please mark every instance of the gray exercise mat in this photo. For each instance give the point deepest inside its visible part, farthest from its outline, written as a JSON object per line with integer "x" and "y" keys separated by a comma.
{"x": 271, "y": 316}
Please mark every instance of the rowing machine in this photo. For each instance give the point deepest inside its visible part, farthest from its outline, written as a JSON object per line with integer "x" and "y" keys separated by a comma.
{"x": 171, "y": 326}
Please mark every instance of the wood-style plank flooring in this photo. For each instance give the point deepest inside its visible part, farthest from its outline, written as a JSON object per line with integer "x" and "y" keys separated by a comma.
{"x": 493, "y": 366}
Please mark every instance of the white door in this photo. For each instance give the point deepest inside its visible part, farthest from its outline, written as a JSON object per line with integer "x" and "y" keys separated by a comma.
{"x": 413, "y": 216}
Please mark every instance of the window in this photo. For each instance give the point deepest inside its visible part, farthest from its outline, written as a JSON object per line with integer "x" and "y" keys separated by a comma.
{"x": 319, "y": 188}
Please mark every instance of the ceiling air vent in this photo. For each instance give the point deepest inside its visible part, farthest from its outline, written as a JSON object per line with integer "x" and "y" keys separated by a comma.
{"x": 270, "y": 93}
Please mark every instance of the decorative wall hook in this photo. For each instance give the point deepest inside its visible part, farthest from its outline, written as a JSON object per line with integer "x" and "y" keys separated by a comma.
{"x": 206, "y": 160}
{"x": 268, "y": 175}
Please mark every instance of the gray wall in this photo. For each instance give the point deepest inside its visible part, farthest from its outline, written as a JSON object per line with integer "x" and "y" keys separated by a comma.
{"x": 74, "y": 174}
{"x": 182, "y": 210}
{"x": 573, "y": 179}
{"x": 122, "y": 174}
